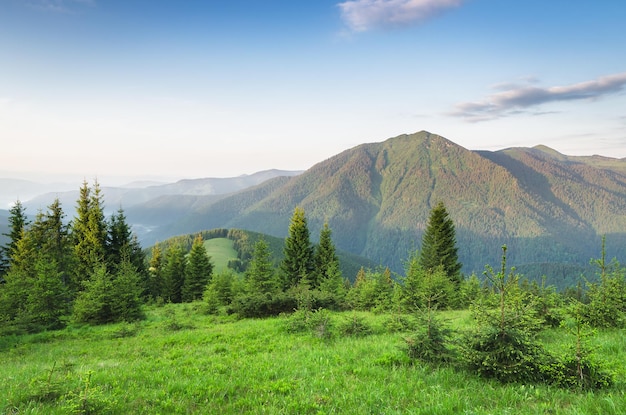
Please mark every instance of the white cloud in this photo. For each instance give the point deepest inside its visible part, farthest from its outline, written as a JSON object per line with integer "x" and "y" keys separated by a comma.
{"x": 519, "y": 99}
{"x": 59, "y": 6}
{"x": 363, "y": 15}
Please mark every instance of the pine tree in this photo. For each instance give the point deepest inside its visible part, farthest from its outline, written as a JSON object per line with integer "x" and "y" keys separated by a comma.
{"x": 198, "y": 271}
{"x": 439, "y": 245}
{"x": 298, "y": 251}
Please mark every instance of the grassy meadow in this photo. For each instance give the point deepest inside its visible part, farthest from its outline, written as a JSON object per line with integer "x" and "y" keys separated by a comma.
{"x": 221, "y": 251}
{"x": 179, "y": 361}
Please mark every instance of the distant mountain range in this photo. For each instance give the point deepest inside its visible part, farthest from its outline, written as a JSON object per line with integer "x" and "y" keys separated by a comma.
{"x": 545, "y": 206}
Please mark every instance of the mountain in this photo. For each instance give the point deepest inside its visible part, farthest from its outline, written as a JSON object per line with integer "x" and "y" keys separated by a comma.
{"x": 13, "y": 189}
{"x": 140, "y": 193}
{"x": 545, "y": 206}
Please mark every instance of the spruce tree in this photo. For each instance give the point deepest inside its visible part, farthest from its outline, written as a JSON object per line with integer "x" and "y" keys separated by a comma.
{"x": 173, "y": 274}
{"x": 155, "y": 281}
{"x": 48, "y": 299}
{"x": 439, "y": 245}
{"x": 50, "y": 235}
{"x": 17, "y": 224}
{"x": 260, "y": 276}
{"x": 326, "y": 261}
{"x": 89, "y": 233}
{"x": 198, "y": 271}
{"x": 298, "y": 251}
{"x": 19, "y": 278}
{"x": 118, "y": 239}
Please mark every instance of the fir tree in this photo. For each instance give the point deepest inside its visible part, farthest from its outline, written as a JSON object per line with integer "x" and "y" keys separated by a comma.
{"x": 439, "y": 245}
{"x": 298, "y": 251}
{"x": 198, "y": 271}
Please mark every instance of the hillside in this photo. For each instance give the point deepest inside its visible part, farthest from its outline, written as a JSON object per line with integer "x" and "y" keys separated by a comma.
{"x": 241, "y": 247}
{"x": 545, "y": 206}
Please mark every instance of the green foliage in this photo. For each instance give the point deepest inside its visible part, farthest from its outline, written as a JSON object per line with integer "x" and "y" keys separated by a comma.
{"x": 579, "y": 368}
{"x": 354, "y": 325}
{"x": 231, "y": 366}
{"x": 173, "y": 274}
{"x": 89, "y": 233}
{"x": 109, "y": 298}
{"x": 198, "y": 271}
{"x": 372, "y": 290}
{"x": 48, "y": 301}
{"x": 326, "y": 261}
{"x": 504, "y": 345}
{"x": 220, "y": 292}
{"x": 427, "y": 287}
{"x": 298, "y": 251}
{"x": 470, "y": 291}
{"x": 507, "y": 354}
{"x": 257, "y": 304}
{"x": 439, "y": 245}
{"x": 606, "y": 300}
{"x": 260, "y": 275}
{"x": 317, "y": 322}
{"x": 430, "y": 342}
{"x": 18, "y": 222}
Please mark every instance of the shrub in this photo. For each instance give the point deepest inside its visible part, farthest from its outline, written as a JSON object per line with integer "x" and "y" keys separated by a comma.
{"x": 355, "y": 326}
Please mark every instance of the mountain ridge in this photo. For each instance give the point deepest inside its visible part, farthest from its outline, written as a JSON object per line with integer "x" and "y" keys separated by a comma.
{"x": 377, "y": 198}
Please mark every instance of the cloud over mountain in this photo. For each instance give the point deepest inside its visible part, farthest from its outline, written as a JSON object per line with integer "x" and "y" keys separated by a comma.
{"x": 364, "y": 15}
{"x": 516, "y": 99}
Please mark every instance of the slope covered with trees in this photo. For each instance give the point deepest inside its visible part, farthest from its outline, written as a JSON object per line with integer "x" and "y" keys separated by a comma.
{"x": 546, "y": 207}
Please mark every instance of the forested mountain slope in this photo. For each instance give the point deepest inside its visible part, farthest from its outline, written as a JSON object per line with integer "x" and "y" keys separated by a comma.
{"x": 376, "y": 197}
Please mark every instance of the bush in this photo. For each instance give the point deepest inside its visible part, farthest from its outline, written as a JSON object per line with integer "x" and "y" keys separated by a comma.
{"x": 430, "y": 341}
{"x": 508, "y": 355}
{"x": 355, "y": 326}
{"x": 318, "y": 322}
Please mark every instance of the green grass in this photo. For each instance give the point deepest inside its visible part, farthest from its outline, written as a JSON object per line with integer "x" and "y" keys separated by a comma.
{"x": 179, "y": 361}
{"x": 221, "y": 251}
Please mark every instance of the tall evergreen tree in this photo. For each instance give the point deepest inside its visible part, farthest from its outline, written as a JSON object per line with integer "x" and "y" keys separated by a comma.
{"x": 155, "y": 281}
{"x": 173, "y": 274}
{"x": 298, "y": 251}
{"x": 89, "y": 232}
{"x": 19, "y": 278}
{"x": 439, "y": 245}
{"x": 198, "y": 271}
{"x": 17, "y": 224}
{"x": 52, "y": 241}
{"x": 326, "y": 260}
{"x": 118, "y": 239}
{"x": 260, "y": 275}
{"x": 48, "y": 299}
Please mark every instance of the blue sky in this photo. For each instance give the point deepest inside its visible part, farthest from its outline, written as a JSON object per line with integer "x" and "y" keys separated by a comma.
{"x": 175, "y": 89}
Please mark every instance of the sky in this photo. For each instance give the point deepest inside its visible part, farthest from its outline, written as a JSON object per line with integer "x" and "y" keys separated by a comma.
{"x": 169, "y": 89}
